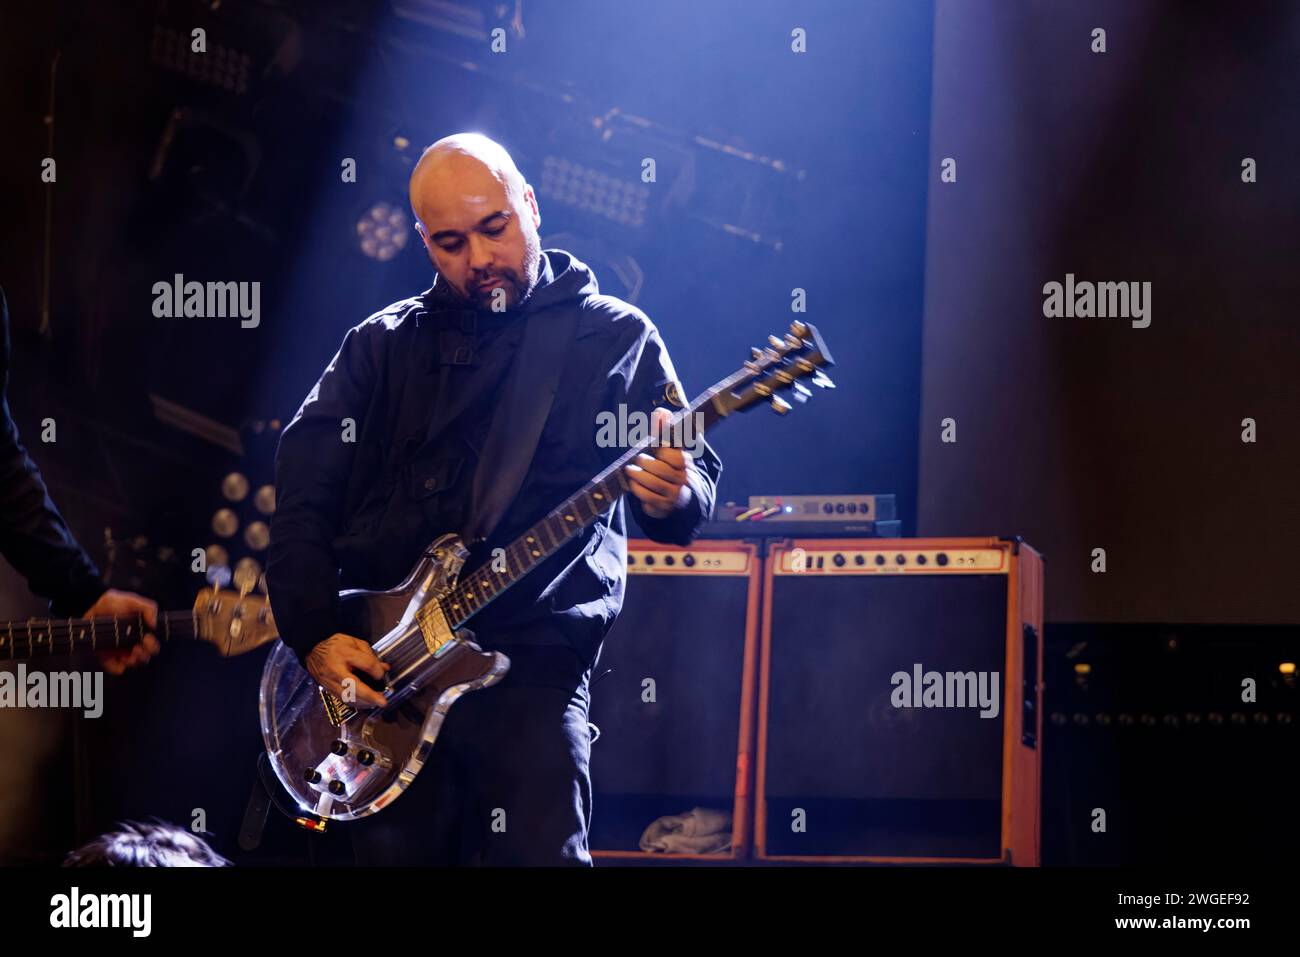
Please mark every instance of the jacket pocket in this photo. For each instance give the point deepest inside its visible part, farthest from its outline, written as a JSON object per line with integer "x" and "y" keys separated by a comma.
{"x": 429, "y": 479}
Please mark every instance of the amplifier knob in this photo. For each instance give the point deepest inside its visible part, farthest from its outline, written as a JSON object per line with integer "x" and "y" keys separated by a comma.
{"x": 859, "y": 559}
{"x": 941, "y": 558}
{"x": 649, "y": 559}
{"x": 631, "y": 558}
{"x": 839, "y": 560}
{"x": 828, "y": 508}
{"x": 900, "y": 559}
{"x": 669, "y": 560}
{"x": 921, "y": 559}
{"x": 688, "y": 560}
{"x": 880, "y": 559}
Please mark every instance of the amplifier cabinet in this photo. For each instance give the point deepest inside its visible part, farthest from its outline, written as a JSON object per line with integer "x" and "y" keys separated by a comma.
{"x": 673, "y": 697}
{"x": 900, "y": 702}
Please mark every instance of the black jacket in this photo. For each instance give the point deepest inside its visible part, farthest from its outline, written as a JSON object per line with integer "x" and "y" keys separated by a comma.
{"x": 33, "y": 536}
{"x": 420, "y": 380}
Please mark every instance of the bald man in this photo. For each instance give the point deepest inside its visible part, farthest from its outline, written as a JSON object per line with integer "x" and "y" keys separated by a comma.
{"x": 423, "y": 381}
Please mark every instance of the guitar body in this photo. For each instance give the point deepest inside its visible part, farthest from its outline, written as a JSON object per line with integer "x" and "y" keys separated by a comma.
{"x": 342, "y": 762}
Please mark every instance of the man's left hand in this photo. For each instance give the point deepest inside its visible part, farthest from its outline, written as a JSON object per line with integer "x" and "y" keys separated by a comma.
{"x": 659, "y": 481}
{"x": 123, "y": 604}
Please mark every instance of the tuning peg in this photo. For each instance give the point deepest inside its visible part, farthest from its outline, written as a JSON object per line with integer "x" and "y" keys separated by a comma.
{"x": 798, "y": 328}
{"x": 800, "y": 392}
{"x": 780, "y": 405}
{"x": 755, "y": 352}
{"x": 776, "y": 343}
{"x": 823, "y": 380}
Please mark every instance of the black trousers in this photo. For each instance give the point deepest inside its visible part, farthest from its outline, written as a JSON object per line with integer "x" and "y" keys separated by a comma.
{"x": 507, "y": 783}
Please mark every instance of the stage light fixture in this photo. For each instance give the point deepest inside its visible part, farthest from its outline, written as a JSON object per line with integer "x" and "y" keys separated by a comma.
{"x": 264, "y": 500}
{"x": 225, "y": 522}
{"x": 247, "y": 574}
{"x": 382, "y": 231}
{"x": 257, "y": 536}
{"x": 234, "y": 487}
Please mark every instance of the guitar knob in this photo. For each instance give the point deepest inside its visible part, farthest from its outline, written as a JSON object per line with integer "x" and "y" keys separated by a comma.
{"x": 339, "y": 747}
{"x": 365, "y": 758}
{"x": 337, "y": 787}
{"x": 312, "y": 776}
{"x": 780, "y": 405}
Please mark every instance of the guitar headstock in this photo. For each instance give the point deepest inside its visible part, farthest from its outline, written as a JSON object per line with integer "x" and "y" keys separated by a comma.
{"x": 800, "y": 354}
{"x": 234, "y": 623}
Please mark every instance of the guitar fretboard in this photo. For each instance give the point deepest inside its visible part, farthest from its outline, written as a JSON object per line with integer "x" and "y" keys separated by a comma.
{"x": 38, "y": 637}
{"x": 530, "y": 549}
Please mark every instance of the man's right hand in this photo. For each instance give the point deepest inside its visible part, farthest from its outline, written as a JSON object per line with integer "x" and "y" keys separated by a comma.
{"x": 337, "y": 659}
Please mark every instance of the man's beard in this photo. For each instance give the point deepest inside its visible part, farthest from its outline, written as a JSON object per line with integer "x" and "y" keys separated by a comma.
{"x": 522, "y": 284}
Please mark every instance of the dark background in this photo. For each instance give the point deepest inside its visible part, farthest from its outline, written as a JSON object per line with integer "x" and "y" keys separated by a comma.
{"x": 1089, "y": 433}
{"x": 776, "y": 171}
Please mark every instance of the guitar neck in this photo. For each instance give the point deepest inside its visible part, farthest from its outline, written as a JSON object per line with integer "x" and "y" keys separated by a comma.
{"x": 478, "y": 589}
{"x": 41, "y": 637}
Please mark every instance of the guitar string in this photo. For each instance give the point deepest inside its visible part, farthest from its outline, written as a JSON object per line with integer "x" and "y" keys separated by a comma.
{"x": 412, "y": 647}
{"x": 44, "y": 633}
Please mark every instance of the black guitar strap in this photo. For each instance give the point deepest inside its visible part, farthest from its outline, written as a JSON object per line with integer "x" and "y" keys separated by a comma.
{"x": 517, "y": 424}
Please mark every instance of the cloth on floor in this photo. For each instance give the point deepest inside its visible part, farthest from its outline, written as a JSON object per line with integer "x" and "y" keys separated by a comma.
{"x": 699, "y": 831}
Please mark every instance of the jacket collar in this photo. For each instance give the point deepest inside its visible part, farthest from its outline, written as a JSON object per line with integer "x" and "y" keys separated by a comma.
{"x": 561, "y": 278}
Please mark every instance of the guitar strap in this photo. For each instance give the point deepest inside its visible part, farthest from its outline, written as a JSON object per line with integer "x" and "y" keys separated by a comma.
{"x": 517, "y": 424}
